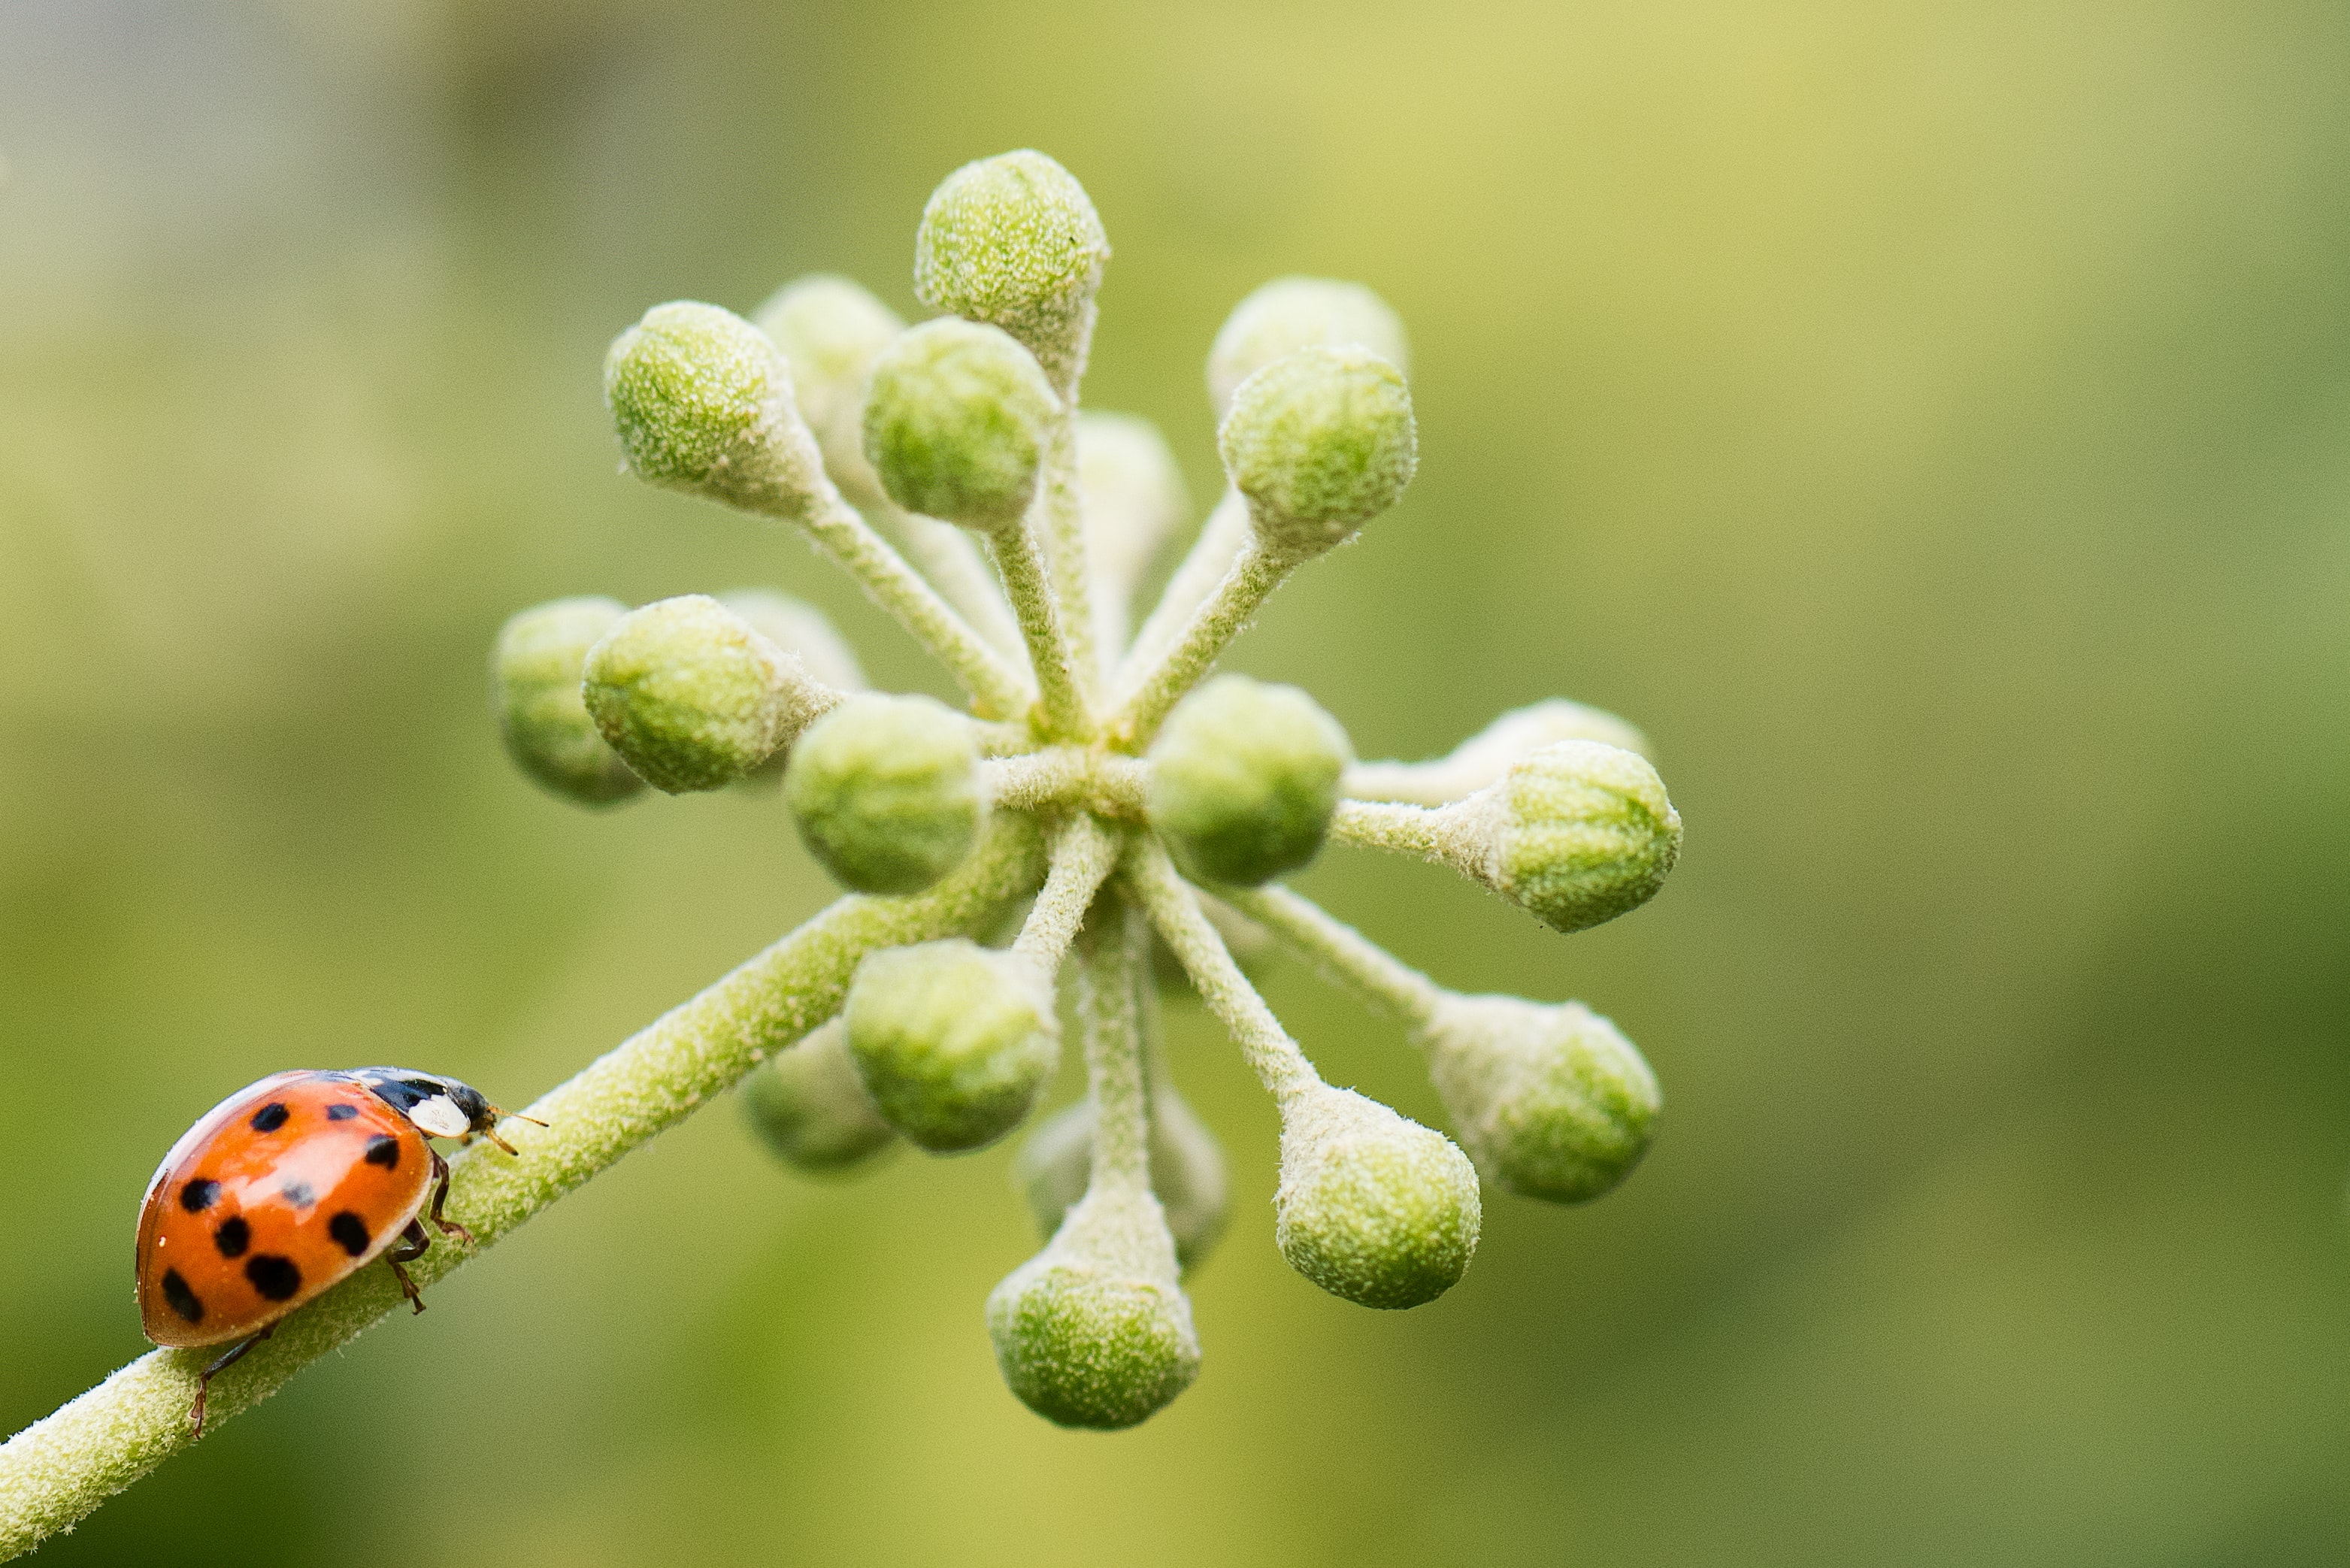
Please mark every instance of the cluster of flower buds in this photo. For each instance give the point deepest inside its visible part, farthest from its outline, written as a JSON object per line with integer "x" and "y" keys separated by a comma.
{"x": 946, "y": 465}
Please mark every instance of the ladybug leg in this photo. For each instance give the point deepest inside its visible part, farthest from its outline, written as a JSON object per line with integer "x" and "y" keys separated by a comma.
{"x": 221, "y": 1364}
{"x": 411, "y": 1247}
{"x": 441, "y": 1195}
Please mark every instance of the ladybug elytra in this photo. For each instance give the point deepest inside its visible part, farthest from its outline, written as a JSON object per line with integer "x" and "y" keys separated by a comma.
{"x": 289, "y": 1185}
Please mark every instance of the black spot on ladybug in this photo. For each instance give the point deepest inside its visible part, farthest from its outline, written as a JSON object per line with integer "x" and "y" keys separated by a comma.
{"x": 384, "y": 1149}
{"x": 232, "y": 1237}
{"x": 298, "y": 1193}
{"x": 271, "y": 1116}
{"x": 341, "y": 1113}
{"x": 197, "y": 1195}
{"x": 183, "y": 1300}
{"x": 349, "y": 1232}
{"x": 274, "y": 1276}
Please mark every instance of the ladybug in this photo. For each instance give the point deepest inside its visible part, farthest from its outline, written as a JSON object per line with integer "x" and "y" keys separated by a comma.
{"x": 288, "y": 1186}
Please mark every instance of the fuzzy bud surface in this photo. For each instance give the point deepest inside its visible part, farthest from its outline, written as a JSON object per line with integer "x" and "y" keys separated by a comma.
{"x": 1550, "y": 1099}
{"x": 1372, "y": 1206}
{"x": 534, "y": 690}
{"x": 953, "y": 1041}
{"x": 956, "y": 421}
{"x": 1244, "y": 778}
{"x": 887, "y": 791}
{"x": 1321, "y": 441}
{"x": 691, "y": 697}
{"x": 810, "y": 1106}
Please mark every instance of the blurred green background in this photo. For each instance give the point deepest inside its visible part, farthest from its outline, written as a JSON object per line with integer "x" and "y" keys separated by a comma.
{"x": 1931, "y": 422}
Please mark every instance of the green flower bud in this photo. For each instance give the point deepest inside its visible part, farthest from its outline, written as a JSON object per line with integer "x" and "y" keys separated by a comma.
{"x": 1577, "y": 833}
{"x": 1550, "y": 1099}
{"x": 887, "y": 791}
{"x": 1094, "y": 1331}
{"x": 535, "y": 688}
{"x": 831, "y": 331}
{"x": 953, "y": 1041}
{"x": 703, "y": 403}
{"x": 1491, "y": 752}
{"x": 1187, "y": 1171}
{"x": 691, "y": 697}
{"x": 956, "y": 422}
{"x": 1293, "y": 313}
{"x": 1320, "y": 441}
{"x": 1014, "y": 241}
{"x": 810, "y": 1106}
{"x": 1243, "y": 780}
{"x": 1372, "y": 1206}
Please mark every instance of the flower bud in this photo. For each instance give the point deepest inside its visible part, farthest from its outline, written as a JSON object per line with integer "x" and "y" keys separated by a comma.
{"x": 1293, "y": 313}
{"x": 956, "y": 422}
{"x": 1243, "y": 780}
{"x": 810, "y": 1106}
{"x": 703, "y": 403}
{"x": 1577, "y": 833}
{"x": 830, "y": 331}
{"x": 693, "y": 698}
{"x": 1094, "y": 1331}
{"x": 1014, "y": 241}
{"x": 1550, "y": 1099}
{"x": 1187, "y": 1171}
{"x": 1372, "y": 1206}
{"x": 1320, "y": 441}
{"x": 534, "y": 688}
{"x": 887, "y": 791}
{"x": 953, "y": 1041}
{"x": 1491, "y": 752}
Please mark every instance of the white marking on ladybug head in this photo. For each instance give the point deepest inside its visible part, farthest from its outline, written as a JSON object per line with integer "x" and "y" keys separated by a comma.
{"x": 438, "y": 1116}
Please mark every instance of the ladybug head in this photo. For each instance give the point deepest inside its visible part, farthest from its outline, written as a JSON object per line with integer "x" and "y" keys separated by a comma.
{"x": 440, "y": 1107}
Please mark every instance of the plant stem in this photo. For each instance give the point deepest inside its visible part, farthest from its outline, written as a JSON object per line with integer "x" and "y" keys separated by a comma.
{"x": 1442, "y": 835}
{"x": 1341, "y": 952}
{"x": 57, "y": 1469}
{"x": 1275, "y": 1057}
{"x": 950, "y": 559}
{"x": 1204, "y": 565}
{"x": 1042, "y": 622}
{"x": 1110, "y": 957}
{"x": 1065, "y": 547}
{"x": 1083, "y": 855}
{"x": 997, "y": 690}
{"x": 1222, "y": 617}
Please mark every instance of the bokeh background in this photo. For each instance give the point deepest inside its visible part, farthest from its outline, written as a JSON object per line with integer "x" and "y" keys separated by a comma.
{"x": 1931, "y": 422}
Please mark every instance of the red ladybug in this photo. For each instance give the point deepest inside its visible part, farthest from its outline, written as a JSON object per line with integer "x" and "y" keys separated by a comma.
{"x": 286, "y": 1188}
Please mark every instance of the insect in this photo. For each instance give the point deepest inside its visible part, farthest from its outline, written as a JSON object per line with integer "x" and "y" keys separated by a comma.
{"x": 288, "y": 1186}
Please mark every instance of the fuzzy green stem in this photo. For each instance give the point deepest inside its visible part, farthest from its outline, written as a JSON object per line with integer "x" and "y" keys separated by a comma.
{"x": 1224, "y": 614}
{"x": 1063, "y": 512}
{"x": 1110, "y": 964}
{"x": 1442, "y": 835}
{"x": 57, "y": 1469}
{"x": 1062, "y": 706}
{"x": 1084, "y": 853}
{"x": 1221, "y": 539}
{"x": 1164, "y": 896}
{"x": 950, "y": 559}
{"x": 997, "y": 690}
{"x": 1061, "y": 777}
{"x": 1341, "y": 952}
